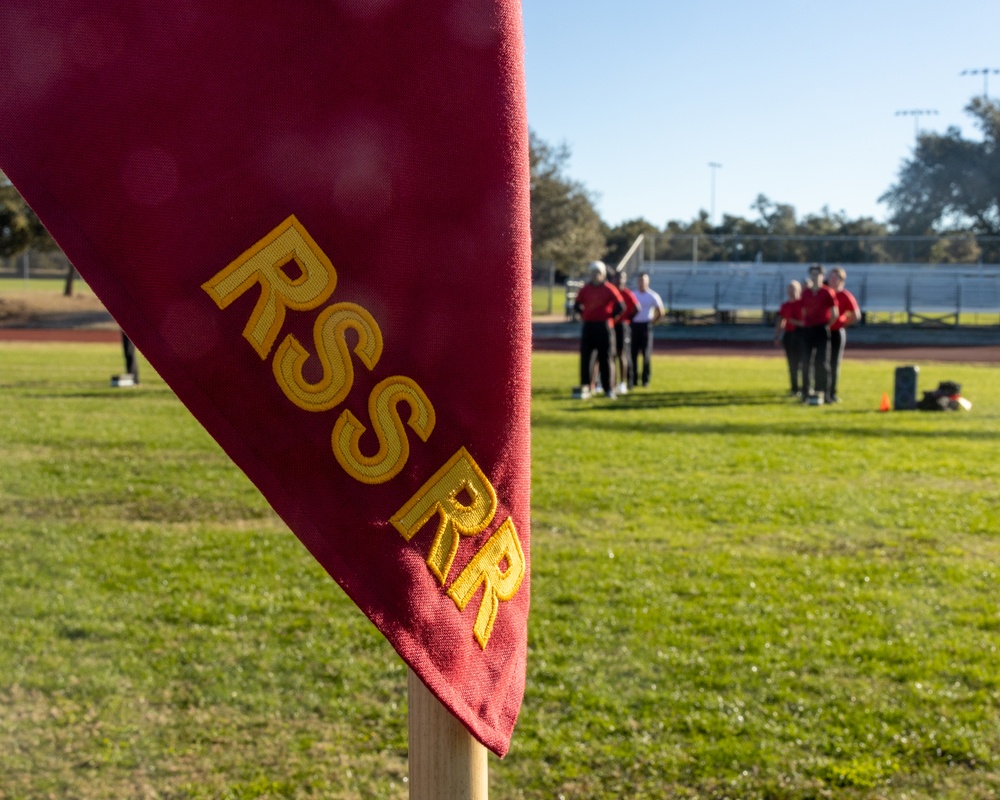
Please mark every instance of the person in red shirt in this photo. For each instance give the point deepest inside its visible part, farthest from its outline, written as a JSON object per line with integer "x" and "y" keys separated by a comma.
{"x": 787, "y": 332}
{"x": 623, "y": 336}
{"x": 850, "y": 312}
{"x": 819, "y": 309}
{"x": 597, "y": 303}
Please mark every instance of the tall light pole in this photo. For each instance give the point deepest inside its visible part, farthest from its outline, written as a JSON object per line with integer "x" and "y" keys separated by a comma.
{"x": 714, "y": 166}
{"x": 985, "y": 72}
{"x": 916, "y": 113}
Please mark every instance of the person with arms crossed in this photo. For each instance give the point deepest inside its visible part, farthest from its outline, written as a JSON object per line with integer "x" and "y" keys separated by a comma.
{"x": 850, "y": 313}
{"x": 649, "y": 311}
{"x": 787, "y": 332}
{"x": 819, "y": 309}
{"x": 597, "y": 303}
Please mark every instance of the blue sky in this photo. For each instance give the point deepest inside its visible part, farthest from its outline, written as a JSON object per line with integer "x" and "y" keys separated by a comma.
{"x": 796, "y": 100}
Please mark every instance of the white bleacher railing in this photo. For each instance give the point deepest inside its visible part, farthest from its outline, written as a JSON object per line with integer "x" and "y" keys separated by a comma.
{"x": 924, "y": 293}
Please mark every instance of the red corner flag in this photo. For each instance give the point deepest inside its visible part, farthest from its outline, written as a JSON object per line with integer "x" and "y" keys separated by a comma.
{"x": 312, "y": 219}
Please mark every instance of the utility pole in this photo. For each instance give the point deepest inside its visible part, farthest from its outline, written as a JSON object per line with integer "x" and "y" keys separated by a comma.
{"x": 916, "y": 113}
{"x": 985, "y": 72}
{"x": 714, "y": 166}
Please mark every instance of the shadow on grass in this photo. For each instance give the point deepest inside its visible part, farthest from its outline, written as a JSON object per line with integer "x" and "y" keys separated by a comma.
{"x": 646, "y": 400}
{"x": 105, "y": 393}
{"x": 702, "y": 399}
{"x": 614, "y": 416}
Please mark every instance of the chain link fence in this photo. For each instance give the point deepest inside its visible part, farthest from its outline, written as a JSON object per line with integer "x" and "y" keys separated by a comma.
{"x": 736, "y": 248}
{"x": 35, "y": 264}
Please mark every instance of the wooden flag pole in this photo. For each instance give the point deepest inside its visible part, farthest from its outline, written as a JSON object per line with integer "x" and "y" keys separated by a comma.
{"x": 446, "y": 762}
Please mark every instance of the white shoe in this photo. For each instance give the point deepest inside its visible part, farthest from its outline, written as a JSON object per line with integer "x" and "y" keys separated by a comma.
{"x": 622, "y": 388}
{"x": 612, "y": 396}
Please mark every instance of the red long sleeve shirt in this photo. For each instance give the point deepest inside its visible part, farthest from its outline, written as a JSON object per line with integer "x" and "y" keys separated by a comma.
{"x": 817, "y": 307}
{"x": 598, "y": 302}
{"x": 845, "y": 302}
{"x": 791, "y": 310}
{"x": 631, "y": 306}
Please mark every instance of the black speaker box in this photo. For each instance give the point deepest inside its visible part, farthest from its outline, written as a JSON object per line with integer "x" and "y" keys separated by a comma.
{"x": 905, "y": 396}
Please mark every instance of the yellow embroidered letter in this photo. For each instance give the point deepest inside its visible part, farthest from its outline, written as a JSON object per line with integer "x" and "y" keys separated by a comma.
{"x": 440, "y": 495}
{"x": 264, "y": 263}
{"x": 497, "y": 584}
{"x": 329, "y": 333}
{"x": 393, "y": 447}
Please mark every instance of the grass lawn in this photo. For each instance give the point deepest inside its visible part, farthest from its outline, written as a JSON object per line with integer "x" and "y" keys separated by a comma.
{"x": 42, "y": 285}
{"x": 540, "y": 299}
{"x": 733, "y": 596}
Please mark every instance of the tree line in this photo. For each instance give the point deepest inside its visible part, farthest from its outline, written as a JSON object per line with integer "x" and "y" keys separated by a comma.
{"x": 946, "y": 200}
{"x": 20, "y": 229}
{"x": 943, "y": 208}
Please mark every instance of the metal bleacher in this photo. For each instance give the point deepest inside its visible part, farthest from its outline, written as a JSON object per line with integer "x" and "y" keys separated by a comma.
{"x": 979, "y": 294}
{"x": 926, "y": 294}
{"x": 879, "y": 290}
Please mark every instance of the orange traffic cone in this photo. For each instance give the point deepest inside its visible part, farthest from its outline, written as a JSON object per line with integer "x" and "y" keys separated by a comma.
{"x": 884, "y": 405}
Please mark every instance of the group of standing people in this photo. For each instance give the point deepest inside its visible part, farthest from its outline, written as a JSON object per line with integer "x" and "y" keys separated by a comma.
{"x": 618, "y": 332}
{"x": 618, "y": 329}
{"x": 812, "y": 325}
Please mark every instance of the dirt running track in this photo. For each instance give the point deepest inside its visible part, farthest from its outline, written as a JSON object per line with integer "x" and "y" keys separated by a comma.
{"x": 29, "y": 316}
{"x": 902, "y": 354}
{"x": 85, "y": 336}
{"x": 43, "y": 317}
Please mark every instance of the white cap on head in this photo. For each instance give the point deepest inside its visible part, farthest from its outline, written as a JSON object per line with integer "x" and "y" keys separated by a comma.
{"x": 597, "y": 266}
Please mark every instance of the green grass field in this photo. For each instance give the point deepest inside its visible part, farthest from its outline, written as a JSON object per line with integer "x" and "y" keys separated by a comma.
{"x": 734, "y": 596}
{"x": 42, "y": 285}
{"x": 540, "y": 299}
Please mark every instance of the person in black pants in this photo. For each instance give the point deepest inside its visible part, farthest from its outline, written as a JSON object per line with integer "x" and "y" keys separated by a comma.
{"x": 598, "y": 303}
{"x": 650, "y": 310}
{"x": 787, "y": 332}
{"x": 819, "y": 309}
{"x": 131, "y": 362}
{"x": 847, "y": 305}
{"x": 622, "y": 354}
